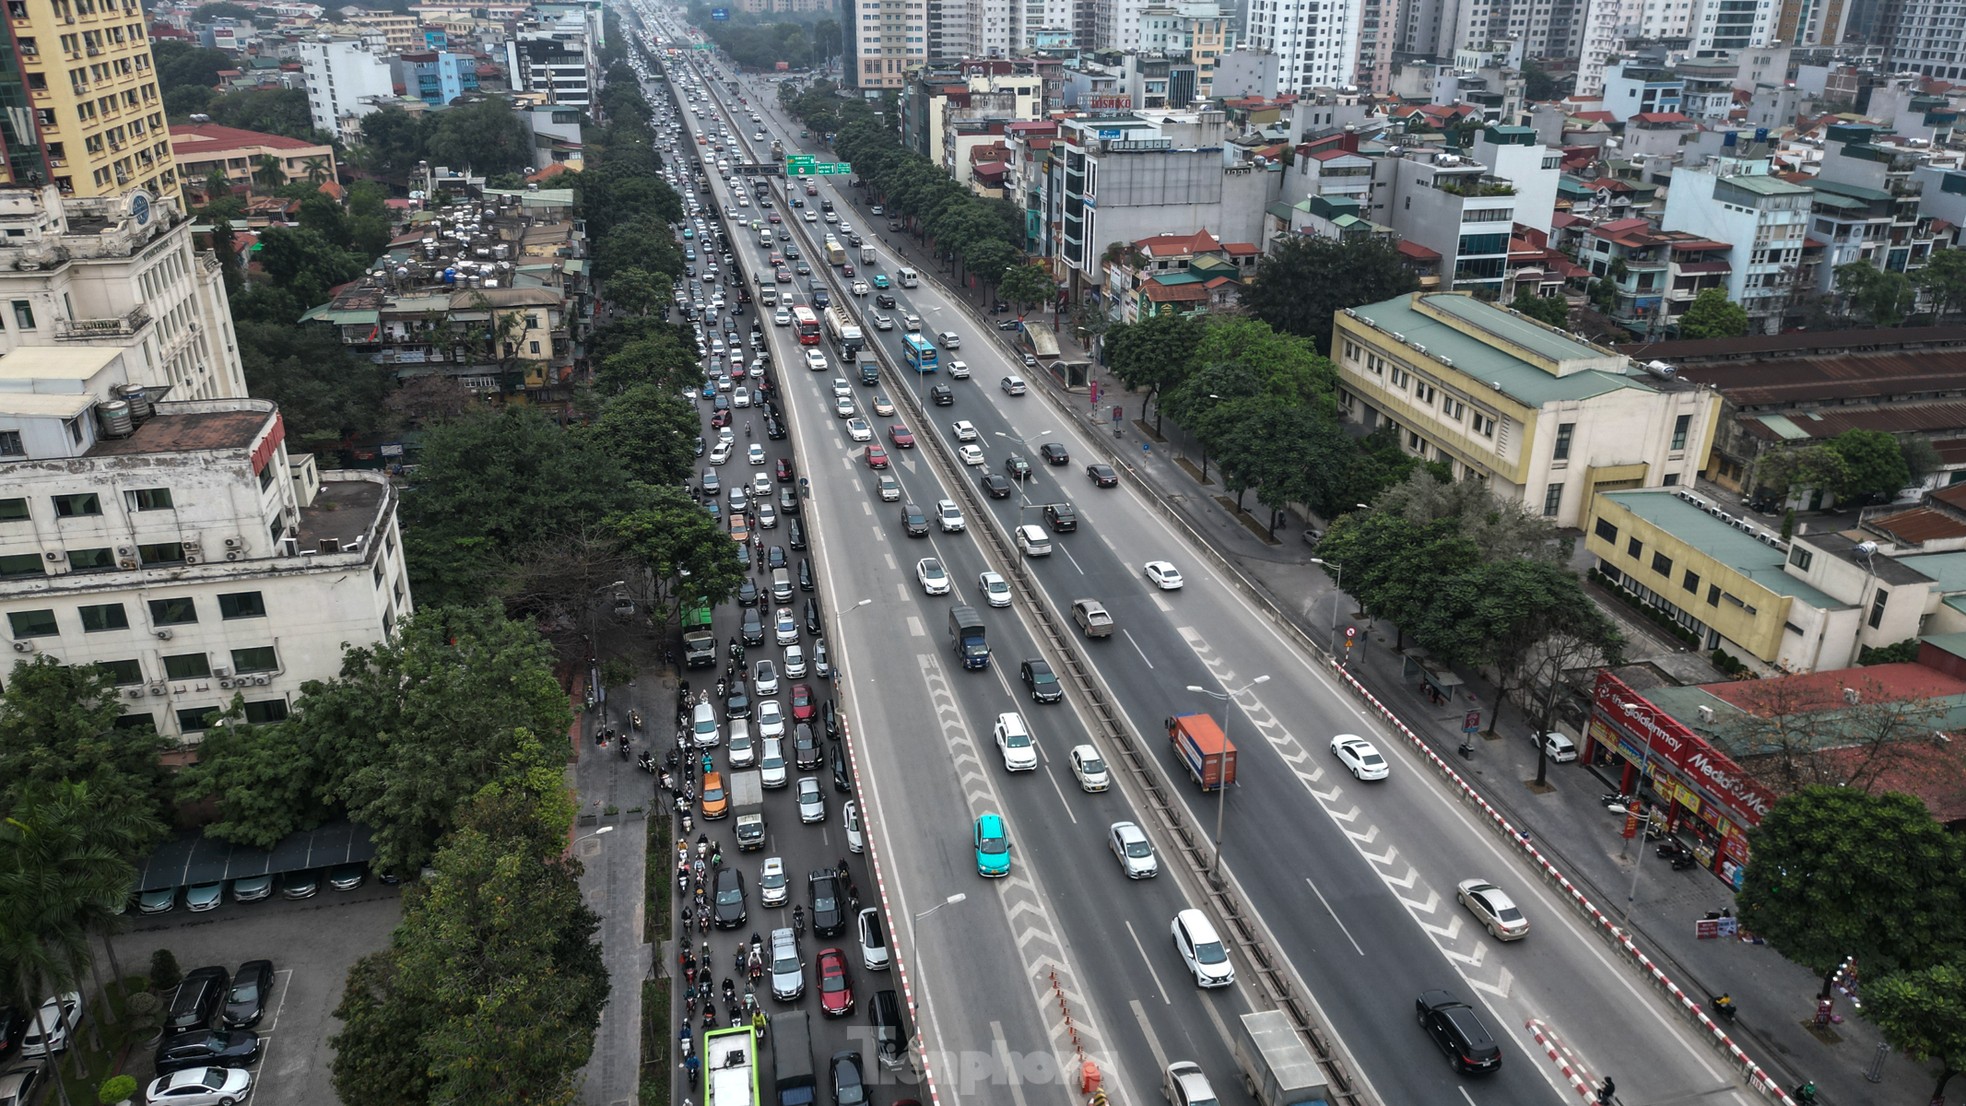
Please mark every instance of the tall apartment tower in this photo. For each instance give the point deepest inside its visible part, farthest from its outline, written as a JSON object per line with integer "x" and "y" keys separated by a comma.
{"x": 890, "y": 38}
{"x": 81, "y": 107}
{"x": 1926, "y": 36}
{"x": 1437, "y": 28}
{"x": 1316, "y": 42}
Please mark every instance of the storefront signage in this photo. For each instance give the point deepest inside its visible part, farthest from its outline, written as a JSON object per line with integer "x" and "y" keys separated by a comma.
{"x": 1669, "y": 740}
{"x": 1111, "y": 103}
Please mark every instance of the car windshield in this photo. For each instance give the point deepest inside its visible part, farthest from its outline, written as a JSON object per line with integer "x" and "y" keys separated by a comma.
{"x": 991, "y": 846}
{"x": 1210, "y": 952}
{"x": 1017, "y": 740}
{"x": 1094, "y": 766}
{"x": 713, "y": 791}
{"x": 786, "y": 962}
{"x": 1138, "y": 847}
{"x": 822, "y": 899}
{"x": 729, "y": 896}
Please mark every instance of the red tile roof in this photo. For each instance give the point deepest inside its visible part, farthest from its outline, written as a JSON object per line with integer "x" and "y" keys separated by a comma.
{"x": 1170, "y": 245}
{"x": 1416, "y": 251}
{"x": 1157, "y": 292}
{"x": 1594, "y": 116}
{"x": 193, "y": 138}
{"x": 1661, "y": 117}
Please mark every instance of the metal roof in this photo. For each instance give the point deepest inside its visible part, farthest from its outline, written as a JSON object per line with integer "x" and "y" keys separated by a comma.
{"x": 190, "y": 859}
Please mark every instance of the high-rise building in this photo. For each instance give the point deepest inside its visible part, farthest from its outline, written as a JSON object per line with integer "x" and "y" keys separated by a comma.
{"x": 343, "y": 79}
{"x": 890, "y": 39}
{"x": 557, "y": 57}
{"x": 1928, "y": 37}
{"x": 1316, "y": 42}
{"x": 79, "y": 104}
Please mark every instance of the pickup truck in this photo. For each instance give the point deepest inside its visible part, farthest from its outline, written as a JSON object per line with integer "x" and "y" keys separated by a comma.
{"x": 1092, "y": 617}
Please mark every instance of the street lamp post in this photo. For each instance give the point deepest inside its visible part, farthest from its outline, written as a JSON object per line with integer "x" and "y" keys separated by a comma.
{"x": 915, "y": 949}
{"x": 1222, "y": 785}
{"x": 1338, "y": 585}
{"x": 1644, "y": 769}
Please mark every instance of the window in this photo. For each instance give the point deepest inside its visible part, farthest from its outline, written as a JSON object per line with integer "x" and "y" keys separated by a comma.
{"x": 1877, "y": 608}
{"x": 1633, "y": 548}
{"x": 167, "y": 553}
{"x": 257, "y": 659}
{"x": 1563, "y": 435}
{"x": 1662, "y": 565}
{"x": 1606, "y": 530}
{"x": 1552, "y": 500}
{"x": 24, "y": 314}
{"x": 1484, "y": 425}
{"x": 1801, "y": 558}
{"x": 39, "y": 623}
{"x": 1452, "y": 409}
{"x": 180, "y": 611}
{"x": 16, "y": 565}
{"x": 13, "y": 510}
{"x": 241, "y": 604}
{"x": 193, "y": 719}
{"x": 122, "y": 673}
{"x": 77, "y": 505}
{"x": 98, "y": 617}
{"x": 1691, "y": 581}
{"x": 91, "y": 560}
{"x": 1713, "y": 596}
{"x": 187, "y": 666}
{"x": 11, "y": 444}
{"x": 1680, "y": 426}
{"x": 148, "y": 499}
{"x": 264, "y": 712}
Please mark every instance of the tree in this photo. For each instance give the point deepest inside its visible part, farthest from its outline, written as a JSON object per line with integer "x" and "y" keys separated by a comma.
{"x": 682, "y": 551}
{"x": 650, "y": 431}
{"x": 1793, "y": 469}
{"x": 492, "y": 482}
{"x": 1943, "y": 282}
{"x": 1874, "y": 465}
{"x": 1025, "y": 285}
{"x": 1836, "y": 873}
{"x": 1289, "y": 367}
{"x": 486, "y": 135}
{"x": 1791, "y": 734}
{"x": 305, "y": 264}
{"x": 392, "y": 143}
{"x": 1155, "y": 354}
{"x": 1922, "y": 1012}
{"x": 1552, "y": 310}
{"x": 413, "y": 727}
{"x": 265, "y": 781}
{"x": 1713, "y": 315}
{"x": 634, "y": 290}
{"x": 1879, "y": 298}
{"x": 64, "y": 724}
{"x": 1302, "y": 284}
{"x": 325, "y": 393}
{"x": 1538, "y": 624}
{"x": 273, "y": 110}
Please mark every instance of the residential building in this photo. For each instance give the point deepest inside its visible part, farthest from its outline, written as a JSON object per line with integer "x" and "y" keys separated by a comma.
{"x": 203, "y": 149}
{"x": 1513, "y": 154}
{"x": 1861, "y": 163}
{"x": 1197, "y": 33}
{"x": 400, "y": 33}
{"x": 1180, "y": 274}
{"x": 1453, "y": 206}
{"x": 936, "y": 98}
{"x": 1316, "y": 42}
{"x": 1155, "y": 82}
{"x": 556, "y": 135}
{"x": 83, "y": 111}
{"x": 1247, "y": 71}
{"x": 343, "y": 80}
{"x": 179, "y": 546}
{"x": 1542, "y": 417}
{"x": 1654, "y": 274}
{"x": 1765, "y": 218}
{"x": 435, "y": 77}
{"x": 1641, "y": 88}
{"x": 121, "y": 275}
{"x": 1925, "y": 37}
{"x": 1115, "y": 23}
{"x": 555, "y": 57}
{"x": 890, "y": 41}
{"x": 1122, "y": 178}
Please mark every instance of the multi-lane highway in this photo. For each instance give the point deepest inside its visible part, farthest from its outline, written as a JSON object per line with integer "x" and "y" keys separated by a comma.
{"x": 1354, "y": 882}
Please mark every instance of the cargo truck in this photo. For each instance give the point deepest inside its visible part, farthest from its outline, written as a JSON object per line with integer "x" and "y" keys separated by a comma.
{"x": 1203, "y": 749}
{"x": 870, "y": 367}
{"x": 1277, "y": 1066}
{"x": 793, "y": 1078}
{"x": 747, "y": 798}
{"x": 867, "y": 256}
{"x": 699, "y": 640}
{"x": 966, "y": 637}
{"x": 846, "y": 333}
{"x": 907, "y": 277}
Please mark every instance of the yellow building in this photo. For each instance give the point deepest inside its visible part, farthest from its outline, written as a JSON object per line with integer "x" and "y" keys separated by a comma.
{"x": 94, "y": 124}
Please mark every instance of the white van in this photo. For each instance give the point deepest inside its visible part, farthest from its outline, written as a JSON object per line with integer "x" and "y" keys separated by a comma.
{"x": 906, "y": 276}
{"x": 764, "y": 239}
{"x": 1034, "y": 541}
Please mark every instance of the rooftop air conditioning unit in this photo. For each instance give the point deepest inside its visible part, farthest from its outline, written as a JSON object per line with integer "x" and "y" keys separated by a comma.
{"x": 1705, "y": 712}
{"x": 1852, "y": 696}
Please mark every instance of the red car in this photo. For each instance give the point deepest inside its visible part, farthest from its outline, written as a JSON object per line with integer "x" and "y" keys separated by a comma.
{"x": 901, "y": 436}
{"x": 737, "y": 370}
{"x": 785, "y": 470}
{"x": 720, "y": 418}
{"x": 773, "y": 217}
{"x": 876, "y": 457}
{"x": 835, "y": 985}
{"x": 803, "y": 708}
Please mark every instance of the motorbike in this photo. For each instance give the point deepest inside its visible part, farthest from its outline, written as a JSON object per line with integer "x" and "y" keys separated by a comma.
{"x": 798, "y": 920}
{"x": 624, "y": 747}
{"x": 1674, "y": 851}
{"x": 635, "y": 719}
{"x": 646, "y": 762}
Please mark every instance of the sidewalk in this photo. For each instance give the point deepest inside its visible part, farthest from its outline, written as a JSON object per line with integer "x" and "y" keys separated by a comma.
{"x": 1776, "y": 997}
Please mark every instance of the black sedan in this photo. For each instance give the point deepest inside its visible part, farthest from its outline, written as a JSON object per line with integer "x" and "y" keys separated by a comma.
{"x": 828, "y": 903}
{"x": 738, "y": 703}
{"x": 1040, "y": 681}
{"x": 728, "y": 911}
{"x": 849, "y": 1083}
{"x": 994, "y": 485}
{"x": 245, "y": 1003}
{"x": 753, "y": 627}
{"x": 1054, "y": 454}
{"x": 1103, "y": 476}
{"x": 206, "y": 1048}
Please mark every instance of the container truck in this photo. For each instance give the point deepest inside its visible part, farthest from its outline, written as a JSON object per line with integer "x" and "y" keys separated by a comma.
{"x": 966, "y": 636}
{"x": 1203, "y": 749}
{"x": 1278, "y": 1068}
{"x": 747, "y": 798}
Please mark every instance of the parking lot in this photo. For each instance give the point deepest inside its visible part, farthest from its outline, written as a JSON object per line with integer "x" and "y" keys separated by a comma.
{"x": 312, "y": 943}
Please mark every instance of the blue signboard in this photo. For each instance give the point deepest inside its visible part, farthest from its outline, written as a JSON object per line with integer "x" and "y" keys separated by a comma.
{"x": 719, "y": 15}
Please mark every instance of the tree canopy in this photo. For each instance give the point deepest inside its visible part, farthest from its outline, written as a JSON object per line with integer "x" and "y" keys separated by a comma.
{"x": 63, "y": 724}
{"x": 1305, "y": 281}
{"x": 1713, "y": 315}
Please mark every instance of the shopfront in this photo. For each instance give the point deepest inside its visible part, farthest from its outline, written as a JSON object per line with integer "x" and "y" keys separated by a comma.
{"x": 1691, "y": 789}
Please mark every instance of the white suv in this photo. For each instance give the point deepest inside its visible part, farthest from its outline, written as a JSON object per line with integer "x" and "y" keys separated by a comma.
{"x": 1015, "y": 743}
{"x": 949, "y": 515}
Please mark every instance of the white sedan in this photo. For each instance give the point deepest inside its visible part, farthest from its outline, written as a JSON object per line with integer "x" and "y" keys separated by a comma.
{"x": 971, "y": 455}
{"x": 1496, "y": 911}
{"x": 860, "y": 288}
{"x": 771, "y": 719}
{"x": 815, "y": 360}
{"x": 995, "y": 589}
{"x": 773, "y": 889}
{"x": 859, "y": 431}
{"x": 933, "y": 579}
{"x": 1090, "y": 768}
{"x": 781, "y": 317}
{"x": 1360, "y": 757}
{"x": 756, "y": 454}
{"x": 965, "y": 430}
{"x": 882, "y": 406}
{"x": 1163, "y": 575}
{"x": 843, "y": 407}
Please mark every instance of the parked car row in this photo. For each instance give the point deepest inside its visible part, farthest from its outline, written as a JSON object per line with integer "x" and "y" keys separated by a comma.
{"x": 303, "y": 884}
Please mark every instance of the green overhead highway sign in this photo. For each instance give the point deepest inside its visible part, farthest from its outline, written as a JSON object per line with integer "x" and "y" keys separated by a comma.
{"x": 796, "y": 160}
{"x": 806, "y": 166}
{"x": 836, "y": 168}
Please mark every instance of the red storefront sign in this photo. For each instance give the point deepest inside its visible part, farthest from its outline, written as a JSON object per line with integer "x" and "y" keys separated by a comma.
{"x": 1716, "y": 774}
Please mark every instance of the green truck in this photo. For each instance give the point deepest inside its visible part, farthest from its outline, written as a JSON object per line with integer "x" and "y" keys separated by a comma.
{"x": 699, "y": 640}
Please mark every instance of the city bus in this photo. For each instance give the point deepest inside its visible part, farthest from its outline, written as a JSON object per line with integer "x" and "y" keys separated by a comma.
{"x": 920, "y": 352}
{"x": 806, "y": 325}
{"x": 730, "y": 1067}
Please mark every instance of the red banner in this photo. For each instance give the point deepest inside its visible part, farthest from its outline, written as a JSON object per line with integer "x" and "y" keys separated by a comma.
{"x": 1683, "y": 749}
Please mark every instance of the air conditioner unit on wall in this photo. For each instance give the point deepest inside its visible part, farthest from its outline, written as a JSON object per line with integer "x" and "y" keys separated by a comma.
{"x": 134, "y": 693}
{"x": 55, "y": 555}
{"x": 221, "y": 670}
{"x": 225, "y": 683}
{"x": 163, "y": 635}
{"x": 23, "y": 647}
{"x": 192, "y": 558}
{"x": 262, "y": 679}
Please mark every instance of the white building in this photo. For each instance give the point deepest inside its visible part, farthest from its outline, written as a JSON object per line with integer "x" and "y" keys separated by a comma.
{"x": 890, "y": 39}
{"x": 178, "y": 545}
{"x": 117, "y": 273}
{"x": 556, "y": 58}
{"x": 343, "y": 78}
{"x": 1735, "y": 200}
{"x": 1316, "y": 42}
{"x": 1925, "y": 36}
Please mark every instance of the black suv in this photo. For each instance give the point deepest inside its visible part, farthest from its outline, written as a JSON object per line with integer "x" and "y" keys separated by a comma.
{"x": 885, "y": 299}
{"x": 913, "y": 521}
{"x": 828, "y": 904}
{"x": 197, "y": 999}
{"x": 1459, "y": 1031}
{"x": 1060, "y": 517}
{"x": 941, "y": 395}
{"x": 729, "y": 911}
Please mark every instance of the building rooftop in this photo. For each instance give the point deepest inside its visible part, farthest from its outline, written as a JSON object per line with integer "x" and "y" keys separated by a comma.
{"x": 343, "y": 510}
{"x": 1476, "y": 342}
{"x": 195, "y": 138}
{"x": 1740, "y": 551}
{"x": 190, "y": 431}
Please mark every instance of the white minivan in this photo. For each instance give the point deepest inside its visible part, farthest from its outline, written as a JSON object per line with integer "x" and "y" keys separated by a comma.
{"x": 1034, "y": 541}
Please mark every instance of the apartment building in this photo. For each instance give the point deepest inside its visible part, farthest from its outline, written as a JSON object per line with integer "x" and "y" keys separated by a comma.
{"x": 1543, "y": 417}
{"x": 1178, "y": 274}
{"x": 1654, "y": 274}
{"x": 400, "y": 33}
{"x": 83, "y": 109}
{"x": 936, "y": 99}
{"x": 436, "y": 77}
{"x": 116, "y": 274}
{"x": 555, "y": 56}
{"x": 203, "y": 149}
{"x": 1197, "y": 33}
{"x": 1316, "y": 42}
{"x": 178, "y": 545}
{"x": 344, "y": 80}
{"x": 1765, "y": 219}
{"x": 890, "y": 41}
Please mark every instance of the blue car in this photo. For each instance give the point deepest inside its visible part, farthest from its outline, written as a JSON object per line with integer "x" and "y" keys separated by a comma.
{"x": 992, "y": 847}
{"x": 710, "y": 389}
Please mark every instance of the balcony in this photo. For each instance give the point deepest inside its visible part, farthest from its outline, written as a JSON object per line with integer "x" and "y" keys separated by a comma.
{"x": 120, "y": 326}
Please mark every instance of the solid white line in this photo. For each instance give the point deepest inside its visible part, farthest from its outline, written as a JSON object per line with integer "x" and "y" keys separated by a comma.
{"x": 1136, "y": 648}
{"x": 1334, "y": 916}
{"x": 1151, "y": 973}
